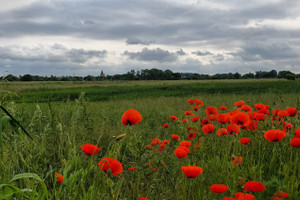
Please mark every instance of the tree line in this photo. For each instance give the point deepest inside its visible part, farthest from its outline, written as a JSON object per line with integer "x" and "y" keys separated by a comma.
{"x": 155, "y": 74}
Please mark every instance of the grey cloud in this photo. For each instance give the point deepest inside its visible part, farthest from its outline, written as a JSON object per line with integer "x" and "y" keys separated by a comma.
{"x": 132, "y": 41}
{"x": 202, "y": 53}
{"x": 81, "y": 55}
{"x": 54, "y": 53}
{"x": 157, "y": 54}
{"x": 219, "y": 57}
{"x": 181, "y": 52}
{"x": 276, "y": 51}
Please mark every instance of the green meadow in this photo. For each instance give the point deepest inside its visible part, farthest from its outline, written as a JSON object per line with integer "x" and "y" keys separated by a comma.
{"x": 61, "y": 116}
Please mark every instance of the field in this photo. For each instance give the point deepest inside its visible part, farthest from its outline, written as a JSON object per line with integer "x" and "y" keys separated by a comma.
{"x": 61, "y": 116}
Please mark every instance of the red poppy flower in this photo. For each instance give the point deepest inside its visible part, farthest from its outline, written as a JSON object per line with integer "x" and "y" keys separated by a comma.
{"x": 240, "y": 118}
{"x": 253, "y": 125}
{"x": 223, "y": 118}
{"x": 237, "y": 160}
{"x": 208, "y": 128}
{"x": 254, "y": 186}
{"x": 184, "y": 121}
{"x": 162, "y": 147}
{"x": 131, "y": 117}
{"x": 188, "y": 112}
{"x": 218, "y": 188}
{"x": 222, "y": 131}
{"x": 288, "y": 126}
{"x": 244, "y": 196}
{"x": 264, "y": 111}
{"x": 175, "y": 137}
{"x": 148, "y": 146}
{"x": 198, "y": 102}
{"x": 233, "y": 129}
{"x": 90, "y": 149}
{"x": 173, "y": 117}
{"x": 229, "y": 198}
{"x": 259, "y": 116}
{"x": 153, "y": 169}
{"x": 191, "y": 101}
{"x": 111, "y": 164}
{"x": 282, "y": 113}
{"x": 259, "y": 106}
{"x": 165, "y": 141}
{"x": 131, "y": 169}
{"x": 197, "y": 146}
{"x": 185, "y": 143}
{"x": 292, "y": 111}
{"x": 239, "y": 103}
{"x": 191, "y": 135}
{"x": 189, "y": 128}
{"x": 246, "y": 108}
{"x": 143, "y": 198}
{"x": 210, "y": 110}
{"x": 59, "y": 177}
{"x": 181, "y": 152}
{"x": 295, "y": 142}
{"x": 274, "y": 135}
{"x": 245, "y": 140}
{"x": 297, "y": 133}
{"x": 195, "y": 108}
{"x": 166, "y": 125}
{"x": 195, "y": 119}
{"x": 191, "y": 171}
{"x": 281, "y": 194}
{"x": 223, "y": 108}
{"x": 155, "y": 141}
{"x": 205, "y": 121}
{"x": 212, "y": 117}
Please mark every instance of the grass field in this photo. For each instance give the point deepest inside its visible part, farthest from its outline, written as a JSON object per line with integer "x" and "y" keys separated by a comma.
{"x": 36, "y": 92}
{"x": 60, "y": 118}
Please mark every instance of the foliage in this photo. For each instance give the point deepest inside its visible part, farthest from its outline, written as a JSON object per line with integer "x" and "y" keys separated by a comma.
{"x": 153, "y": 74}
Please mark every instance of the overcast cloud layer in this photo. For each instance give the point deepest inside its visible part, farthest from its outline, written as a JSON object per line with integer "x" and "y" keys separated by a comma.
{"x": 81, "y": 37}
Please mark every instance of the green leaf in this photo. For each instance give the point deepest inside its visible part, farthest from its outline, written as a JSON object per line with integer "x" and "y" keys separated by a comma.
{"x": 8, "y": 190}
{"x": 34, "y": 176}
{"x": 4, "y": 120}
{"x": 26, "y": 175}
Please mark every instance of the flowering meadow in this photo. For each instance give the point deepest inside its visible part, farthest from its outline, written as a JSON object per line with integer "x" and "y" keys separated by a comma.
{"x": 213, "y": 146}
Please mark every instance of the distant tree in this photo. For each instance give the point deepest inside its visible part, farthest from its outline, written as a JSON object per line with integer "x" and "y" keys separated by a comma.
{"x": 64, "y": 78}
{"x": 273, "y": 74}
{"x": 290, "y": 76}
{"x": 167, "y": 75}
{"x": 26, "y": 77}
{"x": 248, "y": 75}
{"x": 237, "y": 75}
{"x": 282, "y": 74}
{"x": 11, "y": 77}
{"x": 89, "y": 78}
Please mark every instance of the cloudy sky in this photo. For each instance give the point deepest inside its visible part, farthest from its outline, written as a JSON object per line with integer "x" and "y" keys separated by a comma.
{"x": 82, "y": 37}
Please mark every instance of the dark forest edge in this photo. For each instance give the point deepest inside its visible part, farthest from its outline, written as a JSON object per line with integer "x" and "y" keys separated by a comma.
{"x": 155, "y": 74}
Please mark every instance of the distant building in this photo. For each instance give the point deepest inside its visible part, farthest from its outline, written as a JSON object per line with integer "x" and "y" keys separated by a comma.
{"x": 102, "y": 74}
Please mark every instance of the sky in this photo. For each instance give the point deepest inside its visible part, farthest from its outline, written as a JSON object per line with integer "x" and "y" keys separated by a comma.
{"x": 83, "y": 37}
